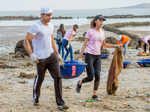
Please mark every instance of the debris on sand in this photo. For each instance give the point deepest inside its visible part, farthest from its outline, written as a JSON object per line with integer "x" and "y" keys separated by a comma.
{"x": 25, "y": 75}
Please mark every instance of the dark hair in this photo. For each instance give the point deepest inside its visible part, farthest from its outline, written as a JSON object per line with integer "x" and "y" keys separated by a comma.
{"x": 93, "y": 24}
{"x": 75, "y": 26}
{"x": 84, "y": 34}
{"x": 61, "y": 29}
{"x": 61, "y": 26}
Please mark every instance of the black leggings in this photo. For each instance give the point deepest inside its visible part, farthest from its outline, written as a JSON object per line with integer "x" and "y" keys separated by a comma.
{"x": 93, "y": 69}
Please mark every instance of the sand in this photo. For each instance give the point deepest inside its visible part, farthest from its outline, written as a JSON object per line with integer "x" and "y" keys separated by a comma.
{"x": 16, "y": 84}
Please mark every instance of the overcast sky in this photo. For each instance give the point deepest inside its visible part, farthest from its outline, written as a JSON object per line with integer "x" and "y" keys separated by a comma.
{"x": 13, "y": 5}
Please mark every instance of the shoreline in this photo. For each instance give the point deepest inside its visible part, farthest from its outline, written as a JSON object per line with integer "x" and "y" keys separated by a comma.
{"x": 26, "y": 18}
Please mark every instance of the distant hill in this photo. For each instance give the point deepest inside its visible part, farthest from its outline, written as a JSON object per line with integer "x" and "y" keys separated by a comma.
{"x": 144, "y": 5}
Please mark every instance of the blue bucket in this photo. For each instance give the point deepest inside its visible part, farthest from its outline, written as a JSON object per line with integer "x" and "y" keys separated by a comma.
{"x": 104, "y": 56}
{"x": 72, "y": 69}
{"x": 126, "y": 64}
{"x": 144, "y": 62}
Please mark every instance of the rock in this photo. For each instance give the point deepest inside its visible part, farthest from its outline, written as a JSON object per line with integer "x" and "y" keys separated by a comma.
{"x": 19, "y": 54}
{"x": 111, "y": 40}
{"x": 22, "y": 82}
{"x": 147, "y": 95}
{"x": 67, "y": 87}
{"x": 20, "y": 51}
{"x": 134, "y": 37}
{"x": 108, "y": 107}
{"x": 25, "y": 75}
{"x": 29, "y": 64}
{"x": 77, "y": 52}
{"x": 104, "y": 51}
{"x": 4, "y": 66}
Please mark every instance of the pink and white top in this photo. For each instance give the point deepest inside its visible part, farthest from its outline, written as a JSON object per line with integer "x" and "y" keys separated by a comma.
{"x": 145, "y": 39}
{"x": 69, "y": 34}
{"x": 95, "y": 41}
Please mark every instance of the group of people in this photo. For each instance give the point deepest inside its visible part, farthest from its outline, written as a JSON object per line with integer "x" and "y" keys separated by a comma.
{"x": 46, "y": 55}
{"x": 63, "y": 40}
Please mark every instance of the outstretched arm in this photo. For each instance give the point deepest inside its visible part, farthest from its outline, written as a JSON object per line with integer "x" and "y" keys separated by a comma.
{"x": 111, "y": 45}
{"x": 69, "y": 40}
{"x": 83, "y": 47}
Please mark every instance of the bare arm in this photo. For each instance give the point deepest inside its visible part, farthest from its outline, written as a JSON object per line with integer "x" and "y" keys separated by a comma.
{"x": 110, "y": 45}
{"x": 54, "y": 44}
{"x": 142, "y": 45}
{"x": 27, "y": 44}
{"x": 69, "y": 40}
{"x": 83, "y": 47}
{"x": 147, "y": 47}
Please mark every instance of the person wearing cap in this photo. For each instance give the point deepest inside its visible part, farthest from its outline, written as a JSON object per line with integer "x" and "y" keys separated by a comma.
{"x": 124, "y": 40}
{"x": 66, "y": 42}
{"x": 94, "y": 40}
{"x": 45, "y": 55}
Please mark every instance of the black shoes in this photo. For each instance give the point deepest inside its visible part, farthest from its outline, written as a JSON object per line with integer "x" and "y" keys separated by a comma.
{"x": 36, "y": 102}
{"x": 63, "y": 107}
{"x": 95, "y": 97}
{"x": 78, "y": 87}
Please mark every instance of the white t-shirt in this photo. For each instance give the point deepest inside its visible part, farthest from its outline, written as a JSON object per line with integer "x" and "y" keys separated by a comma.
{"x": 42, "y": 45}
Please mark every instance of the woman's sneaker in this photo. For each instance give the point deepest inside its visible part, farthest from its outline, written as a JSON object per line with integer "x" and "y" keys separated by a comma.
{"x": 95, "y": 97}
{"x": 78, "y": 87}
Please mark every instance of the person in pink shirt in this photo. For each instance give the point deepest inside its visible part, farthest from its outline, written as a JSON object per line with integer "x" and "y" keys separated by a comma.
{"x": 145, "y": 43}
{"x": 94, "y": 40}
{"x": 66, "y": 42}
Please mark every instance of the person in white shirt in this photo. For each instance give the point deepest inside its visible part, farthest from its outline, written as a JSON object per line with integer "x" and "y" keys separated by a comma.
{"x": 45, "y": 55}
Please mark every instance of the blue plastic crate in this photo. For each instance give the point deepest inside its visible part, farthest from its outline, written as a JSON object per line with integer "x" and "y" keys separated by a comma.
{"x": 144, "y": 62}
{"x": 72, "y": 69}
{"x": 126, "y": 63}
{"x": 104, "y": 56}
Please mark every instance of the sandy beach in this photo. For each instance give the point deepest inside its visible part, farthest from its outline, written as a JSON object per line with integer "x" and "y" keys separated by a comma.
{"x": 16, "y": 83}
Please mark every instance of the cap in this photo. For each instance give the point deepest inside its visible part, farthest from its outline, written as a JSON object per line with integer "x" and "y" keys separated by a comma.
{"x": 119, "y": 37}
{"x": 46, "y": 10}
{"x": 99, "y": 17}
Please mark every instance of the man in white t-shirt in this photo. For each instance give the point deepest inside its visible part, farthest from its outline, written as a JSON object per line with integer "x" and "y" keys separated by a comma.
{"x": 45, "y": 55}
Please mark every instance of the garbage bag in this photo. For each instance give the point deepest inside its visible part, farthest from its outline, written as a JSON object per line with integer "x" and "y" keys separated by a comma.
{"x": 114, "y": 71}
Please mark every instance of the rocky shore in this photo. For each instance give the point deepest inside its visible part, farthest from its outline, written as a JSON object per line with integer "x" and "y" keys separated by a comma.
{"x": 25, "y": 18}
{"x": 69, "y": 17}
{"x": 123, "y": 16}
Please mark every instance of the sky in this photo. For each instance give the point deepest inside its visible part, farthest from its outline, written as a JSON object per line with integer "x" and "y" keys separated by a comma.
{"x": 18, "y": 5}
